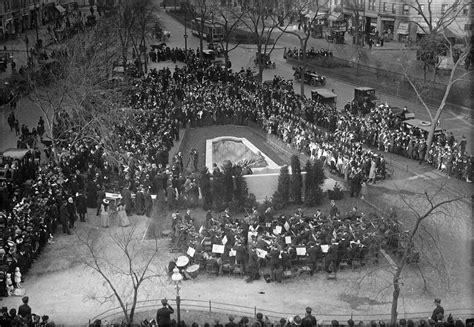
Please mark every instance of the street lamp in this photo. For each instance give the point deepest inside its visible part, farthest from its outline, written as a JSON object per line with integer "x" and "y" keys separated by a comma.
{"x": 177, "y": 278}
{"x": 186, "y": 33}
{"x": 36, "y": 20}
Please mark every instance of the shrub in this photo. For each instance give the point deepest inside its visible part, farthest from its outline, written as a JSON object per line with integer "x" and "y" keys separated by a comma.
{"x": 296, "y": 179}
{"x": 308, "y": 187}
{"x": 228, "y": 185}
{"x": 282, "y": 196}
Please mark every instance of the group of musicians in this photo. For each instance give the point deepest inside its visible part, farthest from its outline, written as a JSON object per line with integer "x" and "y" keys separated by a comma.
{"x": 277, "y": 245}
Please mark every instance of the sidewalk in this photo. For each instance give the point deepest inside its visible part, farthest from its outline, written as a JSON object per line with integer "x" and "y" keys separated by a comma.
{"x": 18, "y": 45}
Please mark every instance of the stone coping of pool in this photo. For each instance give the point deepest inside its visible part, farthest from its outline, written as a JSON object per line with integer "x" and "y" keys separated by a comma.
{"x": 271, "y": 167}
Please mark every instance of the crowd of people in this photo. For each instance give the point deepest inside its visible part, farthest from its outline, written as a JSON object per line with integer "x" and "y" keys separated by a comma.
{"x": 23, "y": 316}
{"x": 306, "y": 319}
{"x": 200, "y": 94}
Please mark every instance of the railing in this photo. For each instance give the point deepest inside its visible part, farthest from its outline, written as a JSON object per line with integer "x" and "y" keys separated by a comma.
{"x": 251, "y": 311}
{"x": 385, "y": 81}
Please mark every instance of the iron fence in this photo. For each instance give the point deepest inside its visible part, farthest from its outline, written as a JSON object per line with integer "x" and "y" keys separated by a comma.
{"x": 210, "y": 307}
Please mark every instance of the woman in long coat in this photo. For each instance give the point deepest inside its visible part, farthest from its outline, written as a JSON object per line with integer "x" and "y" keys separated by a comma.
{"x": 104, "y": 213}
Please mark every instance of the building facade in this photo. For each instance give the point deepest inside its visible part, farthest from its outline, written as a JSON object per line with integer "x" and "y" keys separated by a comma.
{"x": 402, "y": 20}
{"x": 17, "y": 16}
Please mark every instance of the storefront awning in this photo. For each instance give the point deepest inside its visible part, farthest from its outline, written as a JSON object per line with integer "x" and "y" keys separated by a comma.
{"x": 387, "y": 19}
{"x": 448, "y": 33}
{"x": 60, "y": 9}
{"x": 321, "y": 16}
{"x": 336, "y": 17}
{"x": 422, "y": 28}
{"x": 403, "y": 28}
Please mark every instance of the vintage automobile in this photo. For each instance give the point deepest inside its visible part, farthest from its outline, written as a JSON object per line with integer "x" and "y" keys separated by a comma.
{"x": 324, "y": 96}
{"x": 217, "y": 48}
{"x": 265, "y": 59}
{"x": 310, "y": 77}
{"x": 364, "y": 94}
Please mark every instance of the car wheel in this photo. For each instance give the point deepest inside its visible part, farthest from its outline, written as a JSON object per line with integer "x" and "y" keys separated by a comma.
{"x": 312, "y": 82}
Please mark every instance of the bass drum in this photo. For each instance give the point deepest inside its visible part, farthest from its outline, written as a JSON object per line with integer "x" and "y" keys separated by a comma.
{"x": 193, "y": 271}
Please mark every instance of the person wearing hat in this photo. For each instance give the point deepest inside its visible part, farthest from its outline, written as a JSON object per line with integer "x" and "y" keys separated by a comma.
{"x": 309, "y": 318}
{"x": 315, "y": 254}
{"x": 81, "y": 206}
{"x": 104, "y": 213}
{"x": 297, "y": 321}
{"x": 64, "y": 219}
{"x": 163, "y": 315}
{"x": 438, "y": 312}
{"x": 100, "y": 198}
{"x": 71, "y": 211}
{"x": 24, "y": 310}
{"x": 231, "y": 322}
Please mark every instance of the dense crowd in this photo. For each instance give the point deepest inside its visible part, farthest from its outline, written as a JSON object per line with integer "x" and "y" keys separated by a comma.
{"x": 23, "y": 316}
{"x": 200, "y": 94}
{"x": 306, "y": 319}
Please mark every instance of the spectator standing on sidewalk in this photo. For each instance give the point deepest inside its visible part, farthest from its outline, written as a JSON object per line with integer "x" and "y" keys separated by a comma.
{"x": 438, "y": 312}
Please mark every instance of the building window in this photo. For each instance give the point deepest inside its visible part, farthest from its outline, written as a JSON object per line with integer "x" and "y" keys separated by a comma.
{"x": 444, "y": 8}
{"x": 384, "y": 7}
{"x": 406, "y": 9}
{"x": 465, "y": 10}
{"x": 372, "y": 5}
{"x": 394, "y": 8}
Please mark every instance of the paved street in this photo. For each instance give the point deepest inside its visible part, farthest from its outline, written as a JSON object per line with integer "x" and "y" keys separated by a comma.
{"x": 243, "y": 56}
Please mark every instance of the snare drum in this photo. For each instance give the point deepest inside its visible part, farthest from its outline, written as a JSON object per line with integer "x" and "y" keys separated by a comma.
{"x": 193, "y": 270}
{"x": 182, "y": 262}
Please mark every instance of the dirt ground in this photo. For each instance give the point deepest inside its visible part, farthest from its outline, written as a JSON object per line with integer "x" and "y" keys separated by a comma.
{"x": 60, "y": 285}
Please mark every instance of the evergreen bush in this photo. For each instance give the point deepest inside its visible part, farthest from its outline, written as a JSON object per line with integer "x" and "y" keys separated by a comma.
{"x": 296, "y": 179}
{"x": 281, "y": 197}
{"x": 308, "y": 186}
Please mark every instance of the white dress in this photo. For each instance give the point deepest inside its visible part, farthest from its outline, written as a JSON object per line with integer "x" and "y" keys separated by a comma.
{"x": 104, "y": 216}
{"x": 123, "y": 219}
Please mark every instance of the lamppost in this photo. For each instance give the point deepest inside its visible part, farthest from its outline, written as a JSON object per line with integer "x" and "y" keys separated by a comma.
{"x": 186, "y": 33}
{"x": 177, "y": 278}
{"x": 27, "y": 50}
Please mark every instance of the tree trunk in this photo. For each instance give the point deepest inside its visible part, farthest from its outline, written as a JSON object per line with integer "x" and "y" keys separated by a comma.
{"x": 134, "y": 305}
{"x": 304, "y": 44}
{"x": 395, "y": 295}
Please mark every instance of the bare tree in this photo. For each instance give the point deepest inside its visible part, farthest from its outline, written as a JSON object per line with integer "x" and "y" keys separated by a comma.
{"x": 433, "y": 25}
{"x": 434, "y": 206}
{"x": 230, "y": 20}
{"x": 261, "y": 21}
{"x": 431, "y": 22}
{"x": 357, "y": 8}
{"x": 300, "y": 7}
{"x": 128, "y": 265}
{"x": 203, "y": 10}
{"x": 456, "y": 75}
{"x": 74, "y": 94}
{"x": 145, "y": 17}
{"x": 414, "y": 246}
